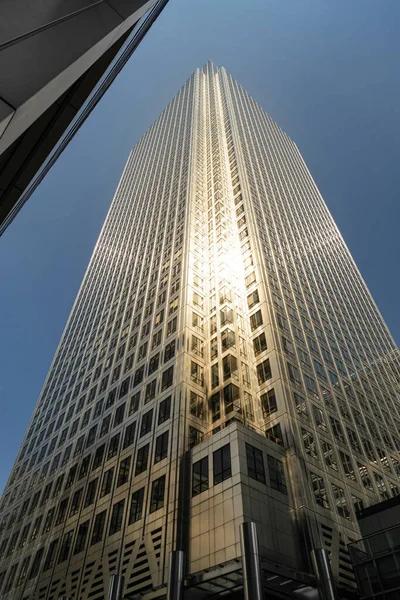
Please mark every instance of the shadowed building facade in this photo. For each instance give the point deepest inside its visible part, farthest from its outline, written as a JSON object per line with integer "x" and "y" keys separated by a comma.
{"x": 52, "y": 56}
{"x": 223, "y": 363}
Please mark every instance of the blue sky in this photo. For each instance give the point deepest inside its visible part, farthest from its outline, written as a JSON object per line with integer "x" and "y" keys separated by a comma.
{"x": 327, "y": 72}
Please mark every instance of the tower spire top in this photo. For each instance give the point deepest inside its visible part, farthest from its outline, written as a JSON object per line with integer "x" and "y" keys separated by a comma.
{"x": 210, "y": 68}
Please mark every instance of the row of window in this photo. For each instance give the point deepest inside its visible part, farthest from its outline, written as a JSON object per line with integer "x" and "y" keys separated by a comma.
{"x": 222, "y": 469}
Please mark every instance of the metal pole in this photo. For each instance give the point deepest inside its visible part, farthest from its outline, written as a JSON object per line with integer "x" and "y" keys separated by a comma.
{"x": 116, "y": 588}
{"x": 175, "y": 575}
{"x": 323, "y": 571}
{"x": 252, "y": 579}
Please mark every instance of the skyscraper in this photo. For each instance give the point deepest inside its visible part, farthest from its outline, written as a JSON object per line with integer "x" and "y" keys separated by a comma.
{"x": 224, "y": 363}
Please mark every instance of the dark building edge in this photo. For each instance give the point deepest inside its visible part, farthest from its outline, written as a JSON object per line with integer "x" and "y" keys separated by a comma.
{"x": 28, "y": 160}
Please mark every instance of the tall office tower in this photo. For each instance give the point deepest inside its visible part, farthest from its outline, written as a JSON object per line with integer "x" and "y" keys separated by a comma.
{"x": 224, "y": 376}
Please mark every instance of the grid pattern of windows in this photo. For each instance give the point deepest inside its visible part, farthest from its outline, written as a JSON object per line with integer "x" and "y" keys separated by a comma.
{"x": 277, "y": 323}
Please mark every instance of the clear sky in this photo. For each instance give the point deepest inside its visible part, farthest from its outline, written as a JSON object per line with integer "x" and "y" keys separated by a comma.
{"x": 326, "y": 71}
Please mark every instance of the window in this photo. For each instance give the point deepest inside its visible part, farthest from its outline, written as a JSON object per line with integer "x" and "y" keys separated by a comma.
{"x": 276, "y": 474}
{"x": 22, "y": 574}
{"x": 113, "y": 446}
{"x": 229, "y": 366}
{"x": 147, "y": 421}
{"x": 62, "y": 510}
{"x": 159, "y": 318}
{"x": 167, "y": 378}
{"x": 319, "y": 418}
{"x": 128, "y": 363}
{"x": 231, "y": 398}
{"x": 264, "y": 371}
{"x": 135, "y": 513}
{"x": 142, "y": 459}
{"x": 107, "y": 482}
{"x": 10, "y": 579}
{"x": 329, "y": 455}
{"x": 197, "y": 373}
{"x": 197, "y": 346}
{"x": 116, "y": 517}
{"x": 76, "y": 502}
{"x": 98, "y": 457}
{"x": 38, "y": 556}
{"x": 200, "y": 476}
{"x": 268, "y": 402}
{"x": 310, "y": 385}
{"x": 138, "y": 378}
{"x": 129, "y": 436}
{"x": 282, "y": 322}
{"x": 196, "y": 405}
{"x": 253, "y": 299}
{"x": 319, "y": 489}
{"x": 309, "y": 443}
{"x": 161, "y": 450}
{"x": 260, "y": 344}
{"x": 214, "y": 376}
{"x": 116, "y": 373}
{"x": 34, "y": 535}
{"x": 123, "y": 473}
{"x": 119, "y": 415}
{"x": 368, "y": 447}
{"x": 105, "y": 426}
{"x": 340, "y": 500}
{"x": 104, "y": 383}
{"x": 381, "y": 485}
{"x": 157, "y": 494}
{"x": 194, "y": 436}
{"x": 81, "y": 537}
{"x": 169, "y": 351}
{"x": 171, "y": 326}
{"x": 134, "y": 404}
{"x": 365, "y": 478}
{"x": 319, "y": 369}
{"x": 111, "y": 398}
{"x": 337, "y": 430}
{"x": 287, "y": 346}
{"x": 357, "y": 503}
{"x": 215, "y": 407}
{"x": 227, "y": 340}
{"x": 256, "y": 320}
{"x": 164, "y": 410}
{"x": 222, "y": 464}
{"x": 91, "y": 492}
{"x": 25, "y": 532}
{"x": 226, "y": 315}
{"x": 124, "y": 387}
{"x": 255, "y": 463}
{"x": 50, "y": 556}
{"x": 294, "y": 374}
{"x": 274, "y": 434}
{"x": 65, "y": 546}
{"x": 143, "y": 349}
{"x": 197, "y": 322}
{"x": 98, "y": 528}
{"x": 46, "y": 494}
{"x": 347, "y": 465}
{"x": 153, "y": 363}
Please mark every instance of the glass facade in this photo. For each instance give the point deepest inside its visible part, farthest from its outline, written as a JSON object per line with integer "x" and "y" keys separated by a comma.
{"x": 220, "y": 291}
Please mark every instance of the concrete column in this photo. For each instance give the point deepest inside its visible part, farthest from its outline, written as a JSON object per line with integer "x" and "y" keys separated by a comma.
{"x": 252, "y": 579}
{"x": 323, "y": 571}
{"x": 116, "y": 589}
{"x": 175, "y": 575}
